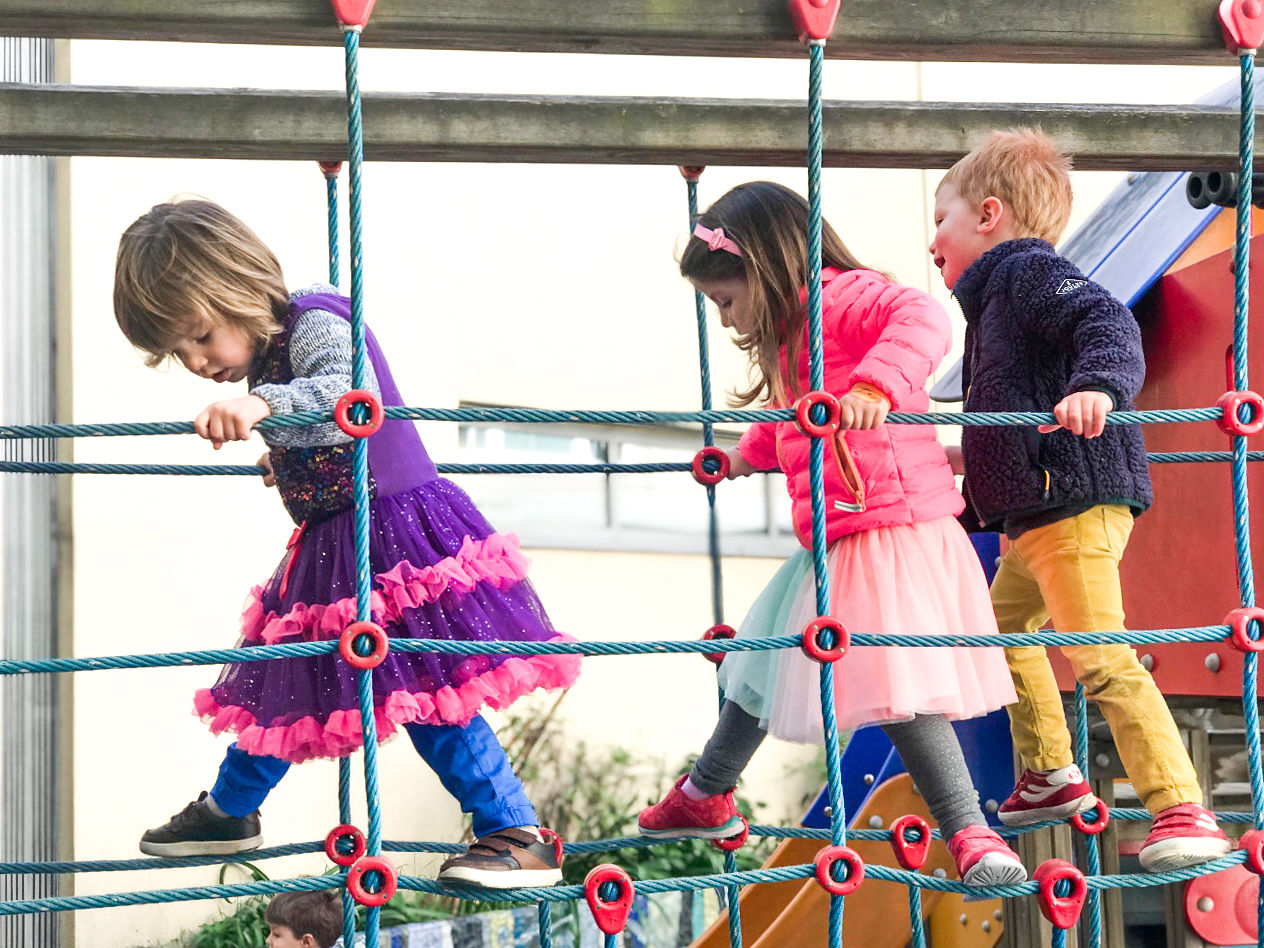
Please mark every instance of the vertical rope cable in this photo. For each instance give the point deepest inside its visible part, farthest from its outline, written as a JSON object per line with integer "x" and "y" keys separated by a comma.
{"x": 331, "y": 200}
{"x": 816, "y": 377}
{"x": 544, "y": 914}
{"x": 1090, "y": 841}
{"x": 734, "y": 897}
{"x": 915, "y": 917}
{"x": 360, "y": 477}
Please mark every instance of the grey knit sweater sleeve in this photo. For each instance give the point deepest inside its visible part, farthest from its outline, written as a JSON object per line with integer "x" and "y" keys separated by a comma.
{"x": 320, "y": 358}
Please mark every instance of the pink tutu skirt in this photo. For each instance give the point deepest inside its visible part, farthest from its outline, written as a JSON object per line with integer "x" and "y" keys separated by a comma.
{"x": 915, "y": 579}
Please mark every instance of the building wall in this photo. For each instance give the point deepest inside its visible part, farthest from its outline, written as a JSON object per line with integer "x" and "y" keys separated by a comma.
{"x": 548, "y": 286}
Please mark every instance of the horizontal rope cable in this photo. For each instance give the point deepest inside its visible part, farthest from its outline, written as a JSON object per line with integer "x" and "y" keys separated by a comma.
{"x": 261, "y": 653}
{"x": 554, "y": 416}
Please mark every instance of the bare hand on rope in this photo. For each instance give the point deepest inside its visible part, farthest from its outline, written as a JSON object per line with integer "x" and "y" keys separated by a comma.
{"x": 230, "y": 420}
{"x": 269, "y": 475}
{"x": 1081, "y": 413}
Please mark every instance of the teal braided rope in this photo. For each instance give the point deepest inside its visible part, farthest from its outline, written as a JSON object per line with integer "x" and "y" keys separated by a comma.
{"x": 158, "y": 896}
{"x": 1090, "y": 841}
{"x": 344, "y": 818}
{"x": 1059, "y": 938}
{"x": 734, "y": 893}
{"x": 259, "y": 653}
{"x": 916, "y": 923}
{"x": 708, "y": 431}
{"x": 360, "y": 460}
{"x": 574, "y": 416}
{"x": 331, "y": 223}
{"x": 545, "y": 923}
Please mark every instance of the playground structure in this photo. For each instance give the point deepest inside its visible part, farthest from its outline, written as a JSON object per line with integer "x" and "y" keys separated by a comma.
{"x": 684, "y": 154}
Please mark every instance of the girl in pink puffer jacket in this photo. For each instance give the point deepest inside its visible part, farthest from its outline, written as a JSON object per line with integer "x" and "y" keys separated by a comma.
{"x": 898, "y": 562}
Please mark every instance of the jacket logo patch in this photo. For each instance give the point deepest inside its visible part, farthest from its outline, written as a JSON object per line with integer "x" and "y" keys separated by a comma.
{"x": 1070, "y": 286}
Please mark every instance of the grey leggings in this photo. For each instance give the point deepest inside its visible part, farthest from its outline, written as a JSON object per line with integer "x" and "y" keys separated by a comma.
{"x": 927, "y": 745}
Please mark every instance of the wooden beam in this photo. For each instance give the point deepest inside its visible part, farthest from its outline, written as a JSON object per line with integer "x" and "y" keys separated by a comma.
{"x": 79, "y": 120}
{"x": 1104, "y": 31}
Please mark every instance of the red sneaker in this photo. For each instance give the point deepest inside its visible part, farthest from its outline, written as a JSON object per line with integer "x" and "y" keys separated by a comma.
{"x": 676, "y": 815}
{"x": 1182, "y": 835}
{"x": 1047, "y": 795}
{"x": 983, "y": 858}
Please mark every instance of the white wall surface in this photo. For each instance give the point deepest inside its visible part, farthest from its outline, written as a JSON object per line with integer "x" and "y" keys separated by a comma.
{"x": 550, "y": 286}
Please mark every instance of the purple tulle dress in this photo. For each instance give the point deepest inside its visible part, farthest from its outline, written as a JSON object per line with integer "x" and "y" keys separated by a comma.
{"x": 439, "y": 571}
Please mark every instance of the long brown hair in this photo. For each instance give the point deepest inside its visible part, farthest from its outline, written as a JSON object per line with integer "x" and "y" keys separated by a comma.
{"x": 769, "y": 222}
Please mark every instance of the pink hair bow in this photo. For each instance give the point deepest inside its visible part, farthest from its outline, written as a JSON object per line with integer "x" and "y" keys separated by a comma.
{"x": 716, "y": 239}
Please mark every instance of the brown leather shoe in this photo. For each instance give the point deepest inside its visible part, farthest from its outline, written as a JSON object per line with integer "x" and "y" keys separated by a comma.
{"x": 507, "y": 859}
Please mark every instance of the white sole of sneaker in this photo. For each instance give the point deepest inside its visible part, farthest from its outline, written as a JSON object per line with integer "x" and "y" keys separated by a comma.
{"x": 502, "y": 879}
{"x": 1181, "y": 852}
{"x": 1059, "y": 812}
{"x": 731, "y": 828}
{"x": 202, "y": 848}
{"x": 996, "y": 869}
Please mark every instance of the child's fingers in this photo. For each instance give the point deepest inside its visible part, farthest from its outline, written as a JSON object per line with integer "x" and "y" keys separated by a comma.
{"x": 1045, "y": 429}
{"x": 201, "y": 423}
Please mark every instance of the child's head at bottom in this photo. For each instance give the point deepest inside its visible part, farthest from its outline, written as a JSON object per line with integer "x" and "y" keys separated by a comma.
{"x": 749, "y": 254}
{"x": 304, "y": 919}
{"x": 1016, "y": 184}
{"x": 187, "y": 268}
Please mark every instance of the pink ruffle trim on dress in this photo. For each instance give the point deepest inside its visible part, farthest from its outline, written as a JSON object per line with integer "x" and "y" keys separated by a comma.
{"x": 496, "y": 559}
{"x": 341, "y": 735}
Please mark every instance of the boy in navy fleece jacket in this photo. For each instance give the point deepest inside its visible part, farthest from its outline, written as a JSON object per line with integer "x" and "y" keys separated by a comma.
{"x": 1042, "y": 337}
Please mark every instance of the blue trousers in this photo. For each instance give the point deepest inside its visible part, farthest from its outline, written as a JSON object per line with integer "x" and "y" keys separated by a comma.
{"x": 469, "y": 762}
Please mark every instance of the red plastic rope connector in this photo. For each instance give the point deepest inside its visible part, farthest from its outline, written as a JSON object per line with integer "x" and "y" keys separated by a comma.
{"x": 813, "y": 19}
{"x": 330, "y": 169}
{"x": 720, "y": 631}
{"x": 389, "y": 881}
{"x": 735, "y": 842}
{"x": 691, "y": 172}
{"x": 1253, "y": 842}
{"x": 702, "y": 471}
{"x": 1230, "y": 421}
{"x": 338, "y": 841}
{"x": 350, "y": 639}
{"x": 1242, "y": 22}
{"x": 1239, "y": 623}
{"x": 359, "y": 429}
{"x": 1061, "y": 910}
{"x": 910, "y": 838}
{"x": 803, "y": 414}
{"x": 611, "y": 916}
{"x": 1091, "y": 826}
{"x": 812, "y": 646}
{"x": 353, "y": 14}
{"x": 831, "y": 856}
{"x": 559, "y": 850}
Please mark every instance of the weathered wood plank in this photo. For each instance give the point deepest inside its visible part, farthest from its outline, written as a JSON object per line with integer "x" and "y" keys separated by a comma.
{"x": 78, "y": 120}
{"x": 1118, "y": 31}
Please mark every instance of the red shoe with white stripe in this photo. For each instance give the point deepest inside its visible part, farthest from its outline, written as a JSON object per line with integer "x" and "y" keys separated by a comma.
{"x": 1182, "y": 835}
{"x": 1047, "y": 795}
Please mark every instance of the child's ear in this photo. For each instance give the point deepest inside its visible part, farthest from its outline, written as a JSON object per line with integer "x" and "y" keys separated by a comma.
{"x": 309, "y": 941}
{"x": 991, "y": 212}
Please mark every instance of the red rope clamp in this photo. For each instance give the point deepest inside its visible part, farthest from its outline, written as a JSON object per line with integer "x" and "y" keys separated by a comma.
{"x": 1092, "y": 825}
{"x": 386, "y": 877}
{"x": 357, "y": 429}
{"x": 910, "y": 838}
{"x": 352, "y": 14}
{"x": 1230, "y": 421}
{"x": 338, "y": 841}
{"x": 611, "y": 916}
{"x": 351, "y": 641}
{"x": 812, "y": 646}
{"x": 803, "y": 414}
{"x": 691, "y": 172}
{"x": 710, "y": 465}
{"x": 330, "y": 169}
{"x": 831, "y": 856}
{"x": 813, "y": 19}
{"x": 735, "y": 842}
{"x": 1239, "y": 622}
{"x": 1061, "y": 910}
{"x": 549, "y": 836}
{"x": 717, "y": 632}
{"x": 1253, "y": 842}
{"x": 1242, "y": 22}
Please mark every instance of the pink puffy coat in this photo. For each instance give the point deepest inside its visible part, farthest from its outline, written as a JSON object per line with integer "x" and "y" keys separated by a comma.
{"x": 891, "y": 337}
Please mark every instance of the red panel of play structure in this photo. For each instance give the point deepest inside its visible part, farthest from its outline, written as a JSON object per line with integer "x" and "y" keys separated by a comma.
{"x": 1179, "y": 569}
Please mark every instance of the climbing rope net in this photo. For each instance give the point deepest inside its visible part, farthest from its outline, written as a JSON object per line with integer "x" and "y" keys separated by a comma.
{"x": 367, "y": 878}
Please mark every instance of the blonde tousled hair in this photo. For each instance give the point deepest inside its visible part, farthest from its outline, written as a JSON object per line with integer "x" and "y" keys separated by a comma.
{"x": 189, "y": 264}
{"x": 1027, "y": 171}
{"x": 769, "y": 223}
